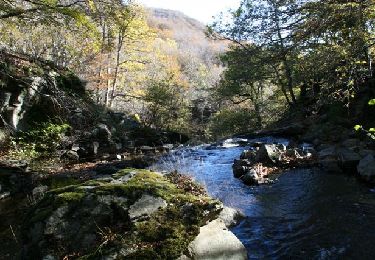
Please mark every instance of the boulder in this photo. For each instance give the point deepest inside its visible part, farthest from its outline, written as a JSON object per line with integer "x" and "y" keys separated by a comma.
{"x": 366, "y": 168}
{"x": 70, "y": 156}
{"x": 108, "y": 214}
{"x": 328, "y": 159}
{"x": 102, "y": 133}
{"x": 39, "y": 192}
{"x": 349, "y": 159}
{"x": 251, "y": 178}
{"x": 268, "y": 153}
{"x": 241, "y": 167}
{"x": 249, "y": 155}
{"x": 216, "y": 242}
{"x": 327, "y": 151}
{"x": 231, "y": 217}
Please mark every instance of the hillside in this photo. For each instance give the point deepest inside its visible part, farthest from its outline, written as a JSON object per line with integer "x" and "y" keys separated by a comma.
{"x": 187, "y": 32}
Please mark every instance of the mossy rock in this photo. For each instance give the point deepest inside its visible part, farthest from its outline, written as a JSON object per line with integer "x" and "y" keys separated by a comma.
{"x": 91, "y": 220}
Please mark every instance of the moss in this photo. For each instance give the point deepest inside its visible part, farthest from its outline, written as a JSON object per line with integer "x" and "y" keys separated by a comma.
{"x": 144, "y": 254}
{"x": 57, "y": 183}
{"x": 71, "y": 196}
{"x": 41, "y": 214}
{"x": 165, "y": 234}
{"x": 69, "y": 188}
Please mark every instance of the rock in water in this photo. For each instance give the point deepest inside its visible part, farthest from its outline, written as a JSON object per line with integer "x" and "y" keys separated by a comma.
{"x": 215, "y": 242}
{"x": 366, "y": 168}
{"x": 231, "y": 217}
{"x": 268, "y": 153}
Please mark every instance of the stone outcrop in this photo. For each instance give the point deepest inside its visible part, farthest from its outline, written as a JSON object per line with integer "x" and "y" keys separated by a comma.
{"x": 132, "y": 214}
{"x": 350, "y": 156}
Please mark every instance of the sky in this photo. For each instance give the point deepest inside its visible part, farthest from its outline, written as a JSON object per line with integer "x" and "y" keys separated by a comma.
{"x": 202, "y": 10}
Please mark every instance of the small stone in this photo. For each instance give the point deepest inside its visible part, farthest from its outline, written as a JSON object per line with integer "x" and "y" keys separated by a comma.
{"x": 38, "y": 192}
{"x": 146, "y": 205}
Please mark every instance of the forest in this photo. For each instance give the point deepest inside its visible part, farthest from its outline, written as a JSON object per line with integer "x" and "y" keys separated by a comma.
{"x": 94, "y": 94}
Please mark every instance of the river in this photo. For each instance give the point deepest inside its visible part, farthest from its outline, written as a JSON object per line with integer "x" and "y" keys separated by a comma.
{"x": 304, "y": 214}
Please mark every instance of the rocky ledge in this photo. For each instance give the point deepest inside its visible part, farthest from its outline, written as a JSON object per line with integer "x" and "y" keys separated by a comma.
{"x": 132, "y": 214}
{"x": 350, "y": 156}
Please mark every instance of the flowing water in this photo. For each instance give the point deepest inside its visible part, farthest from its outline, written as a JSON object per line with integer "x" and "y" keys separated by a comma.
{"x": 304, "y": 214}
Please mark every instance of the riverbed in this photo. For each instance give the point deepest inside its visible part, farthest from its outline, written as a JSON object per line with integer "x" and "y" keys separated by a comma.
{"x": 304, "y": 214}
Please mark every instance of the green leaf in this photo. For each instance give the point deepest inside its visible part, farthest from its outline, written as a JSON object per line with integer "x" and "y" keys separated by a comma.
{"x": 372, "y": 102}
{"x": 358, "y": 127}
{"x": 372, "y": 130}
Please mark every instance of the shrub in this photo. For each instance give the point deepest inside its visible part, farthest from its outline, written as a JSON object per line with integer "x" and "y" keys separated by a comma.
{"x": 44, "y": 139}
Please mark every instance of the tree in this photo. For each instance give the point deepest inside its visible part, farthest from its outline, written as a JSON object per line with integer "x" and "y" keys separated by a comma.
{"x": 245, "y": 78}
{"x": 267, "y": 24}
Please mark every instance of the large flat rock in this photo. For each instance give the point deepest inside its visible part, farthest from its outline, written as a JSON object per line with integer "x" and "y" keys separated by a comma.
{"x": 216, "y": 242}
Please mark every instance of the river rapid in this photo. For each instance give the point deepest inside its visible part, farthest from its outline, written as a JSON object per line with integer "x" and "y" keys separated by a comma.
{"x": 304, "y": 214}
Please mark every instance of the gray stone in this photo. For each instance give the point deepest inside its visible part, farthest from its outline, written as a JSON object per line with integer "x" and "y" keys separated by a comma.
{"x": 55, "y": 224}
{"x": 250, "y": 178}
{"x": 216, "y": 242}
{"x": 349, "y": 159}
{"x": 241, "y": 167}
{"x": 71, "y": 156}
{"x": 231, "y": 217}
{"x": 268, "y": 153}
{"x": 248, "y": 155}
{"x": 38, "y": 192}
{"x": 366, "y": 168}
{"x": 95, "y": 146}
{"x": 146, "y": 205}
{"x": 125, "y": 178}
{"x": 329, "y": 151}
{"x": 102, "y": 133}
{"x": 111, "y": 199}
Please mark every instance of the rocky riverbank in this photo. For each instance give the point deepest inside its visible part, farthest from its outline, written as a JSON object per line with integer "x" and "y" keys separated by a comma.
{"x": 350, "y": 155}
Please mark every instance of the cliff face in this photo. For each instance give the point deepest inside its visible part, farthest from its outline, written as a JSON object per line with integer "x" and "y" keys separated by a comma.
{"x": 33, "y": 92}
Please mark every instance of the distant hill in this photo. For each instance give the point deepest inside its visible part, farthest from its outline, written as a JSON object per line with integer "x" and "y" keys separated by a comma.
{"x": 188, "y": 32}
